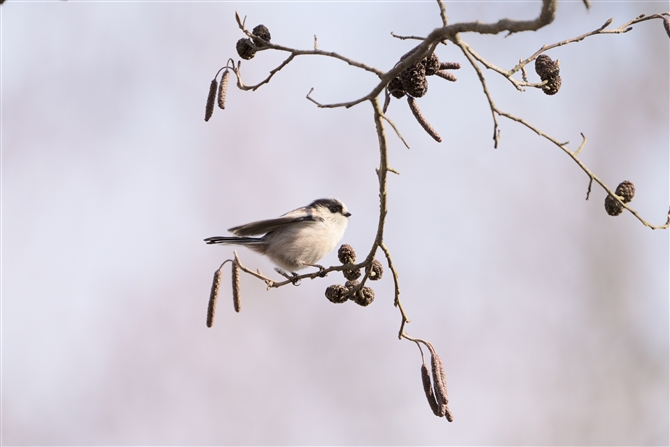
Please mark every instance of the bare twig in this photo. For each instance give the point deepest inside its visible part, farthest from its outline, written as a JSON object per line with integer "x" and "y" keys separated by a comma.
{"x": 396, "y": 301}
{"x": 397, "y": 132}
{"x": 601, "y": 30}
{"x": 588, "y": 191}
{"x": 443, "y": 12}
{"x": 407, "y": 37}
{"x": 586, "y": 170}
{"x": 241, "y": 85}
{"x": 581, "y": 146}
{"x": 482, "y": 80}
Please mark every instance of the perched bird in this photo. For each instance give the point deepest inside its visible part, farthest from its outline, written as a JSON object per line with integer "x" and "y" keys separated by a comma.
{"x": 297, "y": 239}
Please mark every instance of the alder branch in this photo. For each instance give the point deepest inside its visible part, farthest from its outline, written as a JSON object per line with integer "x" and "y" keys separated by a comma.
{"x": 495, "y": 111}
{"x": 314, "y": 52}
{"x": 602, "y": 30}
{"x": 425, "y": 47}
{"x": 587, "y": 171}
{"x": 482, "y": 80}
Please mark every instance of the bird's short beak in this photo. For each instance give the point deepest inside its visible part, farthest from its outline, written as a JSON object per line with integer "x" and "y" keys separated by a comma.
{"x": 347, "y": 214}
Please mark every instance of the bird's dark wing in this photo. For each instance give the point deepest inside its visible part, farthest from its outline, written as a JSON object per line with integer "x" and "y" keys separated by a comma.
{"x": 265, "y": 226}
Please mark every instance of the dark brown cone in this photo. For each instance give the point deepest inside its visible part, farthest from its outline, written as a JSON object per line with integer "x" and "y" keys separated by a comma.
{"x": 548, "y": 70}
{"x": 352, "y": 274}
{"x": 395, "y": 88}
{"x": 626, "y": 190}
{"x": 237, "y": 303}
{"x": 262, "y": 32}
{"x": 223, "y": 86}
{"x": 364, "y": 297}
{"x": 376, "y": 270}
{"x": 431, "y": 64}
{"x": 414, "y": 80}
{"x": 545, "y": 67}
{"x": 351, "y": 284}
{"x": 428, "y": 390}
{"x": 336, "y": 293}
{"x": 612, "y": 207}
{"x": 213, "y": 297}
{"x": 414, "y": 107}
{"x": 346, "y": 254}
{"x": 245, "y": 48}
{"x": 209, "y": 108}
{"x": 552, "y": 86}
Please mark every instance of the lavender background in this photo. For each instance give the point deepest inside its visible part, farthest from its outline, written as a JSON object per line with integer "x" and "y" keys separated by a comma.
{"x": 550, "y": 316}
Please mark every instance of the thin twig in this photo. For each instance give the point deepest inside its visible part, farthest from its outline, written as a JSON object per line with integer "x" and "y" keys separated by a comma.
{"x": 241, "y": 85}
{"x": 482, "y": 80}
{"x": 397, "y": 132}
{"x": 407, "y": 37}
{"x": 601, "y": 30}
{"x": 396, "y": 301}
{"x": 581, "y": 146}
{"x": 443, "y": 12}
{"x": 586, "y": 170}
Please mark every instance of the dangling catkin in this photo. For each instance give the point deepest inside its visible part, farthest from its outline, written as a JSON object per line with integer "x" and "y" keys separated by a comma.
{"x": 223, "y": 86}
{"x": 446, "y": 75}
{"x": 414, "y": 107}
{"x": 440, "y": 385}
{"x": 209, "y": 108}
{"x": 428, "y": 390}
{"x": 236, "y": 287}
{"x": 213, "y": 296}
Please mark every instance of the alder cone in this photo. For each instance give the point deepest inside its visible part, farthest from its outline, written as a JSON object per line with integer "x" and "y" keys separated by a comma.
{"x": 263, "y": 32}
{"x": 431, "y": 64}
{"x": 548, "y": 70}
{"x": 346, "y": 254}
{"x": 612, "y": 207}
{"x": 245, "y": 48}
{"x": 545, "y": 67}
{"x": 414, "y": 80}
{"x": 395, "y": 88}
{"x": 626, "y": 190}
{"x": 336, "y": 294}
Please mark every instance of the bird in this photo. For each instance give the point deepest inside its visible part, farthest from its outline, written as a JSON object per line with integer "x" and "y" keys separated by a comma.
{"x": 297, "y": 239}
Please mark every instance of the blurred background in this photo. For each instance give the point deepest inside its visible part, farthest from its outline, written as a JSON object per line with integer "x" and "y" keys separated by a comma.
{"x": 550, "y": 316}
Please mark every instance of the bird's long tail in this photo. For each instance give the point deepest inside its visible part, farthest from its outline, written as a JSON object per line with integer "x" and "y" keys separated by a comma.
{"x": 235, "y": 240}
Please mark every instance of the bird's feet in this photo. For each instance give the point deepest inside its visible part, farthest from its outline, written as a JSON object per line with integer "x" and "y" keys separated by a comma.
{"x": 293, "y": 276}
{"x": 322, "y": 270}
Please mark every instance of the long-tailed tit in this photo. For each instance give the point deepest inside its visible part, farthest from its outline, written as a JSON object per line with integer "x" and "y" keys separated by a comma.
{"x": 297, "y": 239}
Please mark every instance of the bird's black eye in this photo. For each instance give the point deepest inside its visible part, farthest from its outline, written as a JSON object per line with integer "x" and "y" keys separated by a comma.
{"x": 335, "y": 209}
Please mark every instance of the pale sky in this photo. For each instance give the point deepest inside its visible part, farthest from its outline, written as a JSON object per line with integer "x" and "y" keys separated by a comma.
{"x": 550, "y": 316}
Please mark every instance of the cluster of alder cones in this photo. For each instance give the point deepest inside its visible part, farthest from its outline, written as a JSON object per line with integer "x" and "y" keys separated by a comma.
{"x": 626, "y": 192}
{"x": 413, "y": 82}
{"x": 246, "y": 49}
{"x": 338, "y": 293}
